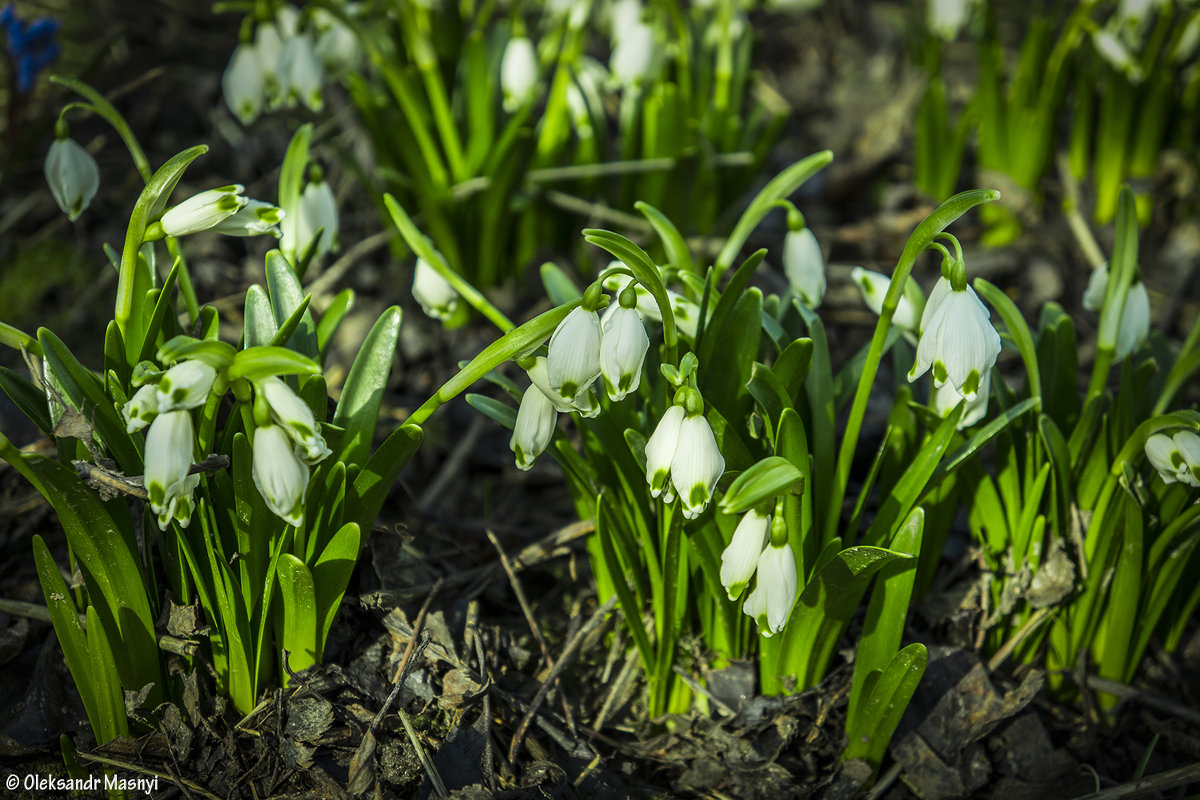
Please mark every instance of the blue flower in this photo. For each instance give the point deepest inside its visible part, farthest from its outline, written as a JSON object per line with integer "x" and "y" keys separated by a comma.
{"x": 32, "y": 46}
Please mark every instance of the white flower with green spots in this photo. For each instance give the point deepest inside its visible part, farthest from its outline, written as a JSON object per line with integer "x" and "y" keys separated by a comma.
{"x": 958, "y": 343}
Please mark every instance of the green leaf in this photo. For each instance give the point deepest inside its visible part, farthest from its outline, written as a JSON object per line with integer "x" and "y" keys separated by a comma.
{"x": 337, "y": 310}
{"x": 110, "y": 700}
{"x": 216, "y": 354}
{"x": 283, "y": 288}
{"x": 299, "y": 600}
{"x": 264, "y": 362}
{"x": 674, "y": 244}
{"x": 493, "y": 409}
{"x": 331, "y": 575}
{"x": 28, "y": 398}
{"x": 358, "y": 407}
{"x": 643, "y": 269}
{"x": 366, "y": 493}
{"x": 869, "y": 737}
{"x": 258, "y": 328}
{"x": 292, "y": 171}
{"x": 792, "y": 365}
{"x": 766, "y": 480}
{"x": 558, "y": 284}
{"x": 630, "y": 610}
{"x": 714, "y": 328}
{"x": 162, "y": 305}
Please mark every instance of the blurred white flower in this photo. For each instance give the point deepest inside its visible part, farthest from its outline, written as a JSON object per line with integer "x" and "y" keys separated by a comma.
{"x": 1135, "y": 315}
{"x": 300, "y": 74}
{"x": 315, "y": 211}
{"x": 244, "y": 84}
{"x": 518, "y": 73}
{"x": 946, "y": 18}
{"x": 534, "y": 429}
{"x": 72, "y": 175}
{"x": 804, "y": 266}
{"x": 1114, "y": 51}
{"x": 437, "y": 297}
{"x": 633, "y": 55}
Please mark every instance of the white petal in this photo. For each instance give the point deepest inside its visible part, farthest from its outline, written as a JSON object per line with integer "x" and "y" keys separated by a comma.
{"x": 536, "y": 420}
{"x": 72, "y": 175}
{"x": 623, "y": 348}
{"x": 279, "y": 474}
{"x": 169, "y": 444}
{"x": 437, "y": 297}
{"x": 777, "y": 581}
{"x": 243, "y": 83}
{"x": 573, "y": 355}
{"x": 697, "y": 465}
{"x": 740, "y": 558}
{"x": 1135, "y": 320}
{"x": 660, "y": 450}
{"x": 804, "y": 266}
{"x": 185, "y": 385}
{"x": 518, "y": 73}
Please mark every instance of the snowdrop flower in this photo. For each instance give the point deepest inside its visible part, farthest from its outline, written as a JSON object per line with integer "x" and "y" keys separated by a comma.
{"x": 947, "y": 17}
{"x": 295, "y": 417}
{"x": 185, "y": 385}
{"x": 770, "y": 604}
{"x": 169, "y": 444}
{"x": 584, "y": 403}
{"x": 686, "y": 312}
{"x": 204, "y": 210}
{"x": 573, "y": 355}
{"x": 660, "y": 452}
{"x": 1176, "y": 457}
{"x": 268, "y": 47}
{"x": 633, "y": 55}
{"x": 279, "y": 474}
{"x": 804, "y": 266}
{"x": 622, "y": 16}
{"x": 696, "y": 466}
{"x": 1112, "y": 50}
{"x": 958, "y": 342}
{"x": 518, "y": 73}
{"x": 72, "y": 175}
{"x": 945, "y": 398}
{"x": 874, "y": 287}
{"x": 1135, "y": 315}
{"x": 254, "y": 219}
{"x": 300, "y": 74}
{"x": 623, "y": 348}
{"x": 536, "y": 420}
{"x": 141, "y": 409}
{"x": 583, "y": 94}
{"x": 244, "y": 84}
{"x": 437, "y": 297}
{"x": 315, "y": 211}
{"x": 337, "y": 46}
{"x": 740, "y": 558}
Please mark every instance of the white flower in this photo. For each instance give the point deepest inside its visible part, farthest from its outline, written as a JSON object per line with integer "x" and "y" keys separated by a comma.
{"x": 243, "y": 83}
{"x": 279, "y": 474}
{"x": 940, "y": 290}
{"x": 945, "y": 398}
{"x": 185, "y": 385}
{"x": 254, "y": 219}
{"x": 696, "y": 466}
{"x": 686, "y": 312}
{"x": 169, "y": 444}
{"x": 72, "y": 175}
{"x": 1135, "y": 315}
{"x": 947, "y": 17}
{"x": 804, "y": 266}
{"x": 633, "y": 55}
{"x": 1116, "y": 54}
{"x": 958, "y": 343}
{"x": 584, "y": 403}
{"x": 740, "y": 558}
{"x": 1177, "y": 457}
{"x": 337, "y": 46}
{"x": 518, "y": 73}
{"x": 141, "y": 409}
{"x": 573, "y": 355}
{"x": 583, "y": 94}
{"x": 295, "y": 417}
{"x": 300, "y": 74}
{"x": 622, "y": 350}
{"x": 536, "y": 420}
{"x": 268, "y": 47}
{"x": 204, "y": 210}
{"x": 623, "y": 15}
{"x": 874, "y": 287}
{"x": 775, "y": 594}
{"x": 660, "y": 452}
{"x": 316, "y": 211}
{"x": 437, "y": 297}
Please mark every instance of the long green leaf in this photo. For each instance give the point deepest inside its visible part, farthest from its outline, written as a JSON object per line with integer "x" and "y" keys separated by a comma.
{"x": 331, "y": 575}
{"x": 299, "y": 606}
{"x": 868, "y": 738}
{"x": 358, "y": 407}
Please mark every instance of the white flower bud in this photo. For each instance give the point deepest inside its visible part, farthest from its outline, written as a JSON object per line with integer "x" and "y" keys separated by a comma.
{"x": 804, "y": 266}
{"x": 633, "y": 56}
{"x": 316, "y": 211}
{"x": 243, "y": 84}
{"x": 279, "y": 474}
{"x": 185, "y": 385}
{"x": 437, "y": 297}
{"x": 254, "y": 219}
{"x": 536, "y": 420}
{"x": 204, "y": 210}
{"x": 696, "y": 466}
{"x": 740, "y": 558}
{"x": 518, "y": 73}
{"x": 72, "y": 175}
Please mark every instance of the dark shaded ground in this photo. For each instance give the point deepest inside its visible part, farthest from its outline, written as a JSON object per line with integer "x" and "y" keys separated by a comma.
{"x": 475, "y": 682}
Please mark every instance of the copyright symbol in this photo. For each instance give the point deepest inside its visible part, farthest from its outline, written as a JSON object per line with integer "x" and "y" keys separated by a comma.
{"x": 12, "y": 782}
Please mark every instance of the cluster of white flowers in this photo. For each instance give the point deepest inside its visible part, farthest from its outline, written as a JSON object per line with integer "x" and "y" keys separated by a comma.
{"x": 684, "y": 451}
{"x": 284, "y": 447}
{"x": 1175, "y": 456}
{"x": 287, "y": 62}
{"x": 751, "y": 552}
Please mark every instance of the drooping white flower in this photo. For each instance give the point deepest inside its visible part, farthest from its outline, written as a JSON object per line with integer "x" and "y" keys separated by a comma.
{"x": 268, "y": 47}
{"x": 437, "y": 297}
{"x": 315, "y": 211}
{"x": 696, "y": 466}
{"x": 633, "y": 56}
{"x": 169, "y": 444}
{"x": 660, "y": 452}
{"x": 72, "y": 175}
{"x": 573, "y": 354}
{"x": 685, "y": 311}
{"x": 622, "y": 16}
{"x": 204, "y": 210}
{"x": 243, "y": 83}
{"x": 337, "y": 46}
{"x": 958, "y": 343}
{"x": 518, "y": 73}
{"x": 1135, "y": 315}
{"x": 253, "y": 219}
{"x": 141, "y": 409}
{"x": 776, "y": 589}
{"x": 185, "y": 385}
{"x": 1113, "y": 50}
{"x": 279, "y": 474}
{"x": 947, "y": 17}
{"x": 740, "y": 558}
{"x": 874, "y": 287}
{"x": 534, "y": 429}
{"x": 584, "y": 403}
{"x": 623, "y": 348}
{"x": 1176, "y": 457}
{"x": 300, "y": 74}
{"x": 295, "y": 417}
{"x": 804, "y": 266}
{"x": 945, "y": 398}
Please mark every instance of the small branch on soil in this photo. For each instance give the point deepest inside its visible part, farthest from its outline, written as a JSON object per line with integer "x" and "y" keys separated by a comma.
{"x": 1031, "y": 625}
{"x": 1149, "y": 699}
{"x": 1159, "y": 782}
{"x": 404, "y": 668}
{"x": 180, "y": 782}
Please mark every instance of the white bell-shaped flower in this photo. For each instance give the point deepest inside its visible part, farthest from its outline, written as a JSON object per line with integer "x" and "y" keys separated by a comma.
{"x": 958, "y": 343}
{"x": 634, "y": 56}
{"x": 534, "y": 429}
{"x": 946, "y": 18}
{"x": 573, "y": 354}
{"x": 437, "y": 297}
{"x": 874, "y": 288}
{"x": 72, "y": 175}
{"x": 696, "y": 466}
{"x": 295, "y": 417}
{"x": 204, "y": 210}
{"x": 623, "y": 348}
{"x": 740, "y": 558}
{"x": 337, "y": 46}
{"x": 584, "y": 403}
{"x": 169, "y": 444}
{"x": 1176, "y": 457}
{"x": 660, "y": 452}
{"x": 253, "y": 219}
{"x": 268, "y": 47}
{"x": 300, "y": 73}
{"x": 804, "y": 266}
{"x": 945, "y": 398}
{"x": 1114, "y": 51}
{"x": 185, "y": 385}
{"x": 243, "y": 84}
{"x": 518, "y": 73}
{"x": 622, "y": 16}
{"x": 141, "y": 409}
{"x": 317, "y": 212}
{"x": 1135, "y": 315}
{"x": 279, "y": 474}
{"x": 775, "y": 593}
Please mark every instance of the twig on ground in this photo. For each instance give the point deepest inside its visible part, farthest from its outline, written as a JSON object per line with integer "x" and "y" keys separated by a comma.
{"x": 1149, "y": 699}
{"x": 132, "y": 767}
{"x": 1032, "y": 624}
{"x": 699, "y": 688}
{"x": 1159, "y": 782}
{"x": 418, "y": 627}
